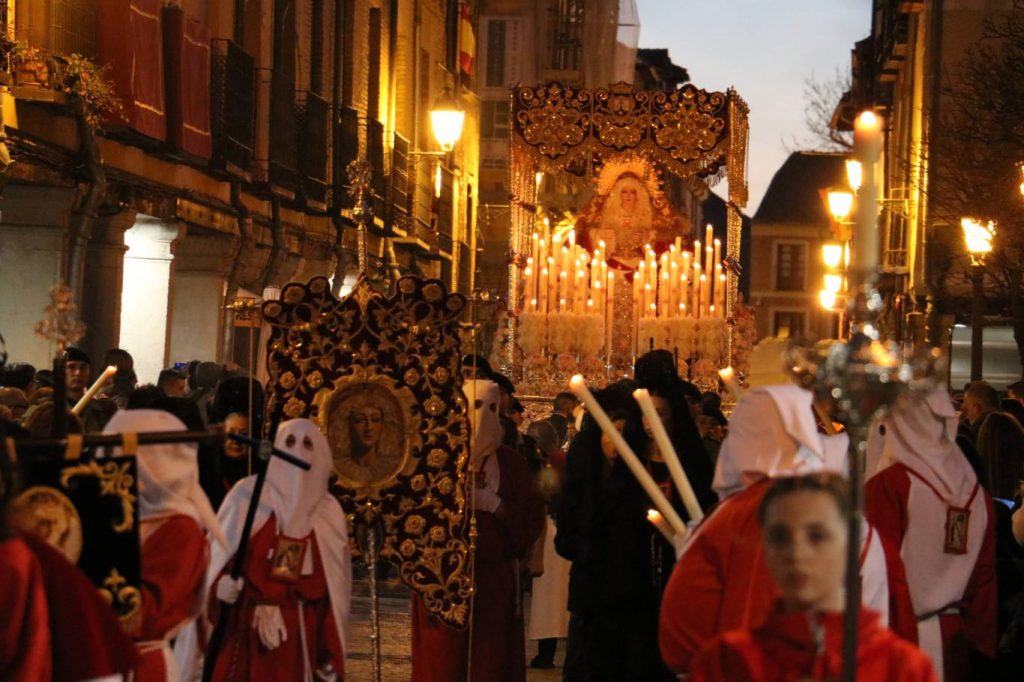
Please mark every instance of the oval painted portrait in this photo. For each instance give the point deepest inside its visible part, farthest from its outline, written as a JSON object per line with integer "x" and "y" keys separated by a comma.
{"x": 366, "y": 428}
{"x": 47, "y": 513}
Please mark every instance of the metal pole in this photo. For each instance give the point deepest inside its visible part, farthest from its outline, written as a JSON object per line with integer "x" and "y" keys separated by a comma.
{"x": 851, "y": 614}
{"x": 977, "y": 324}
{"x": 371, "y": 562}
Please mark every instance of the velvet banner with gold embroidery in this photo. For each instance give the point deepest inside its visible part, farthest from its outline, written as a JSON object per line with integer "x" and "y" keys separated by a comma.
{"x": 380, "y": 375}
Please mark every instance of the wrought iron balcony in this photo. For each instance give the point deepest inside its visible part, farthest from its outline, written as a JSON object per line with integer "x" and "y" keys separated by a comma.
{"x": 345, "y": 149}
{"x": 313, "y": 113}
{"x": 232, "y": 104}
{"x": 283, "y": 152}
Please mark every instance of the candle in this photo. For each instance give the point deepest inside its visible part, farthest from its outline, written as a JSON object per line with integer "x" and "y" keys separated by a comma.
{"x": 533, "y": 305}
{"x": 704, "y": 298}
{"x": 728, "y": 377}
{"x": 663, "y": 295}
{"x": 697, "y": 280}
{"x": 543, "y": 293}
{"x": 718, "y": 251}
{"x": 609, "y": 316}
{"x": 648, "y": 299}
{"x": 668, "y": 453}
{"x": 709, "y": 234}
{"x": 535, "y": 247}
{"x": 709, "y": 260}
{"x": 563, "y": 290}
{"x": 867, "y": 147}
{"x": 720, "y": 293}
{"x": 579, "y": 388}
{"x": 109, "y": 372}
{"x": 552, "y": 291}
{"x": 658, "y": 522}
{"x": 572, "y": 238}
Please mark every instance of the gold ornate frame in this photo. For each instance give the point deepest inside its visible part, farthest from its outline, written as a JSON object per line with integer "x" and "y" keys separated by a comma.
{"x": 411, "y": 422}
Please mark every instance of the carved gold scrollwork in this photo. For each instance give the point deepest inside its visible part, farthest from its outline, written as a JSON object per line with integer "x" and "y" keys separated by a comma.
{"x": 116, "y": 479}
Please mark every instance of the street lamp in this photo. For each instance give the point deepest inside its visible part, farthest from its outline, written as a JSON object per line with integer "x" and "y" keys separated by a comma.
{"x": 832, "y": 255}
{"x": 446, "y": 119}
{"x": 978, "y": 240}
{"x": 840, "y": 203}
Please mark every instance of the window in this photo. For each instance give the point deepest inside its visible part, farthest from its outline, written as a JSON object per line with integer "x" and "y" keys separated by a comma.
{"x": 566, "y": 34}
{"x": 72, "y": 26}
{"x": 788, "y": 325}
{"x": 494, "y": 119}
{"x": 790, "y": 267}
{"x": 373, "y": 79}
{"x": 495, "y": 68}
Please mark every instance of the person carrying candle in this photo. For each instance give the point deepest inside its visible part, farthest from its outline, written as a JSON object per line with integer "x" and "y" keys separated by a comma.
{"x": 925, "y": 499}
{"x": 614, "y": 583}
{"x": 509, "y": 516}
{"x": 78, "y": 377}
{"x": 721, "y": 581}
{"x": 803, "y": 523}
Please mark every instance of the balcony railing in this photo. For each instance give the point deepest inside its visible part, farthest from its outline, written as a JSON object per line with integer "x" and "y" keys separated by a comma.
{"x": 314, "y": 120}
{"x": 232, "y": 104}
{"x": 401, "y": 190}
{"x": 445, "y": 210}
{"x": 375, "y": 155}
{"x": 283, "y": 152}
{"x": 345, "y": 150}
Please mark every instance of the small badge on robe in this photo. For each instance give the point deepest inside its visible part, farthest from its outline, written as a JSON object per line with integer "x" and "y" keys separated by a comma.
{"x": 286, "y": 563}
{"x": 956, "y": 530}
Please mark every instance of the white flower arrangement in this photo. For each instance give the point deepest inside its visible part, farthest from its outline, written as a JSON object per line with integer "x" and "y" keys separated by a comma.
{"x": 532, "y": 332}
{"x": 589, "y": 335}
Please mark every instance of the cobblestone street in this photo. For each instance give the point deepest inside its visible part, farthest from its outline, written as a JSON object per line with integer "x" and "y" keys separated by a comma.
{"x": 396, "y": 640}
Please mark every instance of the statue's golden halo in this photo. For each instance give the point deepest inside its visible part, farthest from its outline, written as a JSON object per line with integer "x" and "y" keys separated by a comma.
{"x": 614, "y": 168}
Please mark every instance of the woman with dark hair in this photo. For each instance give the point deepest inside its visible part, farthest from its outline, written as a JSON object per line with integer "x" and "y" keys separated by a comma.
{"x": 614, "y": 590}
{"x": 803, "y": 531}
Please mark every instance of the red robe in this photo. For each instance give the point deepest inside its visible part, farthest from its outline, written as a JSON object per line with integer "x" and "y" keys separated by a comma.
{"x": 439, "y": 652}
{"x": 243, "y": 656}
{"x": 721, "y": 582}
{"x": 786, "y": 648}
{"x": 88, "y": 640}
{"x": 907, "y": 512}
{"x": 174, "y": 559}
{"x": 24, "y": 630}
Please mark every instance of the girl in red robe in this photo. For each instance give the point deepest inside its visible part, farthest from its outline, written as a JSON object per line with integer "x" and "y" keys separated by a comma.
{"x": 803, "y": 522}
{"x": 174, "y": 512}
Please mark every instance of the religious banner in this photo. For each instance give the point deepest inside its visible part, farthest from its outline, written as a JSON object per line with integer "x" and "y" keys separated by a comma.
{"x": 89, "y": 510}
{"x": 380, "y": 375}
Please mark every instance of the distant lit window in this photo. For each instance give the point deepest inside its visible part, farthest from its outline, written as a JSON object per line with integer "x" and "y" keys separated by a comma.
{"x": 790, "y": 267}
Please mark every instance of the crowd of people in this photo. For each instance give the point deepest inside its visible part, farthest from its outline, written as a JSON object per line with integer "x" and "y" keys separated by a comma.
{"x": 753, "y": 591}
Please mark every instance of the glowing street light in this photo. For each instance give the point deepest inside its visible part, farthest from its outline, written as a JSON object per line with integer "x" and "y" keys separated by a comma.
{"x": 827, "y": 299}
{"x": 446, "y": 119}
{"x": 978, "y": 237}
{"x": 833, "y": 283}
{"x": 978, "y": 240}
{"x": 840, "y": 203}
{"x": 832, "y": 255}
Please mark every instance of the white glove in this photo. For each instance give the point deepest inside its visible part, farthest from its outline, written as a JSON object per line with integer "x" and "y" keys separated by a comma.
{"x": 269, "y": 625}
{"x": 486, "y": 499}
{"x": 228, "y": 589}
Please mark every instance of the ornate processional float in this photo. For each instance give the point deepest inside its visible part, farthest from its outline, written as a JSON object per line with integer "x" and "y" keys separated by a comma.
{"x": 591, "y": 289}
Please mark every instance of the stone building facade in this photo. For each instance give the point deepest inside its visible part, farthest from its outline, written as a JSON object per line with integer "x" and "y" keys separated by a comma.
{"x": 226, "y": 177}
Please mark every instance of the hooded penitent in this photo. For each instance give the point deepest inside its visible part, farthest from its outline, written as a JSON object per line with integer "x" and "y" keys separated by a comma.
{"x": 300, "y": 502}
{"x": 485, "y": 438}
{"x": 485, "y": 426}
{"x": 168, "y": 472}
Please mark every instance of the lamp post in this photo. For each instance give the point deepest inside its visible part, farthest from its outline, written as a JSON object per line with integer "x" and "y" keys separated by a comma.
{"x": 978, "y": 240}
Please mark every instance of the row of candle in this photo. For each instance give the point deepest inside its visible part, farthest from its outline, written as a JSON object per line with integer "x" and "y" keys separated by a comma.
{"x": 678, "y": 285}
{"x": 561, "y": 276}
